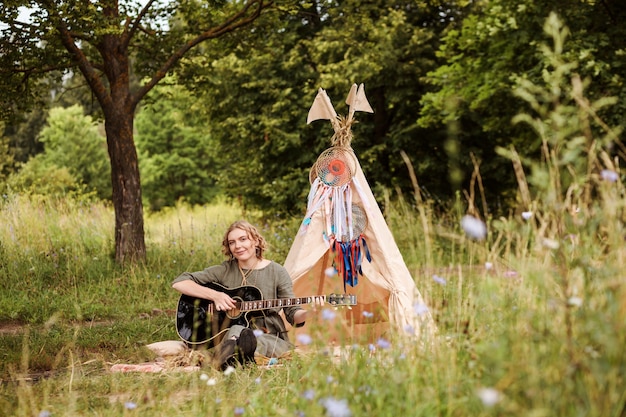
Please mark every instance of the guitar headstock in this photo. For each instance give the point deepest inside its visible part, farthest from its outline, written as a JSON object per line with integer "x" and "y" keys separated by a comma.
{"x": 341, "y": 299}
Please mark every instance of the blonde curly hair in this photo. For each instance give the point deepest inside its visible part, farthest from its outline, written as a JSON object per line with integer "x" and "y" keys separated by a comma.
{"x": 253, "y": 234}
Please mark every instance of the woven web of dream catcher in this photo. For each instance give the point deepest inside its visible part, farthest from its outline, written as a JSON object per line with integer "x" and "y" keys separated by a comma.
{"x": 334, "y": 167}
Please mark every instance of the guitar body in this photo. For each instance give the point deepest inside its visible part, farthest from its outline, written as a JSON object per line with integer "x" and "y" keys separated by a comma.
{"x": 198, "y": 323}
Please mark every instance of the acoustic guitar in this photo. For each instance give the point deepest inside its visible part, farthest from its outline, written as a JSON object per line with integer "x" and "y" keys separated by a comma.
{"x": 198, "y": 322}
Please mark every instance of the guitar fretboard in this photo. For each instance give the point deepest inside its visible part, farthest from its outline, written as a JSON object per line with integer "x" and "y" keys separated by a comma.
{"x": 278, "y": 303}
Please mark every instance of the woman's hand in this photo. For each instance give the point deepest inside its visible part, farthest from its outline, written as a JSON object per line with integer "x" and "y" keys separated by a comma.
{"x": 222, "y": 301}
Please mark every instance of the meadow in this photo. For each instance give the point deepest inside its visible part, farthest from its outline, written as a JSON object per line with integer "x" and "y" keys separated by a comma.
{"x": 527, "y": 324}
{"x": 531, "y": 315}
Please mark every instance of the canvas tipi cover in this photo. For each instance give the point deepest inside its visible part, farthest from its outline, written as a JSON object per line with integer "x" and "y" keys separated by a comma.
{"x": 387, "y": 297}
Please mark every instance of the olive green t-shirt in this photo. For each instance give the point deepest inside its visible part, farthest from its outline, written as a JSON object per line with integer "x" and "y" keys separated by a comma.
{"x": 273, "y": 281}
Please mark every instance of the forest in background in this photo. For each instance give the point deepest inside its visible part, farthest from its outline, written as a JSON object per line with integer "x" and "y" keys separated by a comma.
{"x": 443, "y": 77}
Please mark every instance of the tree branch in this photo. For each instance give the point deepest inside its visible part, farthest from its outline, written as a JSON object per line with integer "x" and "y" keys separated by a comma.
{"x": 236, "y": 21}
{"x": 89, "y": 72}
{"x": 134, "y": 24}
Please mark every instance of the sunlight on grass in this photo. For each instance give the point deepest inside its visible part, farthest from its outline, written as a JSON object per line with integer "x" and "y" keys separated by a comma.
{"x": 530, "y": 309}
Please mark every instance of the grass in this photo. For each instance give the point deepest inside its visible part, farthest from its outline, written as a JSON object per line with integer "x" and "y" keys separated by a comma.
{"x": 531, "y": 317}
{"x": 516, "y": 338}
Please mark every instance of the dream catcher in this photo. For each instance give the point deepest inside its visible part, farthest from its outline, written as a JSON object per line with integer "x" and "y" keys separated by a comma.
{"x": 333, "y": 182}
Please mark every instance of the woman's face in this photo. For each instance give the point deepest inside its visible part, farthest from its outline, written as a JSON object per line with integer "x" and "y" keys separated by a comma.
{"x": 241, "y": 246}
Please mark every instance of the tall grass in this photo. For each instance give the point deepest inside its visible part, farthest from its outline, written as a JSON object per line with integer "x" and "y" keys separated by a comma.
{"x": 531, "y": 320}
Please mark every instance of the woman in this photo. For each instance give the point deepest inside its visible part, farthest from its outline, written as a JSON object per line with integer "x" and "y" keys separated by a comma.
{"x": 244, "y": 246}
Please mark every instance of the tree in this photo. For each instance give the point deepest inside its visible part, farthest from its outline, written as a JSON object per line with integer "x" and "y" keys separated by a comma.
{"x": 258, "y": 91}
{"x": 177, "y": 156}
{"x": 485, "y": 55}
{"x": 106, "y": 41}
{"x": 72, "y": 140}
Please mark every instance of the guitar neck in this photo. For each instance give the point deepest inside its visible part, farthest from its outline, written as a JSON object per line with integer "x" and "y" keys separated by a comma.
{"x": 277, "y": 303}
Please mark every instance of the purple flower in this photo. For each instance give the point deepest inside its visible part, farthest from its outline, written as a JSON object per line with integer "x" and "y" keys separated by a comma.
{"x": 368, "y": 315}
{"x": 608, "y": 175}
{"x": 45, "y": 413}
{"x": 328, "y": 314}
{"x": 130, "y": 405}
{"x": 419, "y": 308}
{"x": 335, "y": 407}
{"x": 308, "y": 394}
{"x": 439, "y": 280}
{"x": 239, "y": 411}
{"x": 383, "y": 343}
{"x": 474, "y": 227}
{"x": 304, "y": 339}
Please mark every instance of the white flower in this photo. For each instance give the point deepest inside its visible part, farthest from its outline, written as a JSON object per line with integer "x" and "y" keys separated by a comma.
{"x": 489, "y": 396}
{"x": 550, "y": 243}
{"x": 211, "y": 381}
{"x": 204, "y": 377}
{"x": 526, "y": 215}
{"x": 474, "y": 227}
{"x": 488, "y": 265}
{"x": 229, "y": 370}
{"x": 575, "y": 301}
{"x": 330, "y": 272}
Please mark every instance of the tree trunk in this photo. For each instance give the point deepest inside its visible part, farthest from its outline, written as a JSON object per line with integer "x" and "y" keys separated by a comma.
{"x": 119, "y": 114}
{"x": 129, "y": 232}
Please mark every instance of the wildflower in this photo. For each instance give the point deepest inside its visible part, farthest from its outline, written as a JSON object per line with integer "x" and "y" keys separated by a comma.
{"x": 510, "y": 274}
{"x": 368, "y": 315}
{"x": 526, "y": 215}
{"x": 211, "y": 381}
{"x": 550, "y": 243}
{"x": 329, "y": 379}
{"x": 439, "y": 280}
{"x": 308, "y": 394}
{"x": 330, "y": 272}
{"x": 575, "y": 301}
{"x": 257, "y": 380}
{"x": 371, "y": 347}
{"x": 420, "y": 308}
{"x": 383, "y": 343}
{"x": 328, "y": 314}
{"x": 304, "y": 339}
{"x": 608, "y": 175}
{"x": 45, "y": 413}
{"x": 488, "y": 266}
{"x": 229, "y": 370}
{"x": 489, "y": 396}
{"x": 409, "y": 329}
{"x": 204, "y": 377}
{"x": 130, "y": 405}
{"x": 474, "y": 227}
{"x": 239, "y": 411}
{"x": 335, "y": 407}
{"x": 257, "y": 332}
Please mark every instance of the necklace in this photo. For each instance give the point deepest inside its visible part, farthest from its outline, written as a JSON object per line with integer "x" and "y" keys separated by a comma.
{"x": 246, "y": 275}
